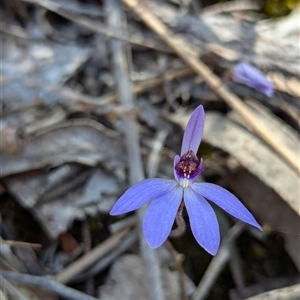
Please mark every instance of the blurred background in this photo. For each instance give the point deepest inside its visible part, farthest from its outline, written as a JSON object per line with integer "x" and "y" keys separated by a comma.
{"x": 95, "y": 95}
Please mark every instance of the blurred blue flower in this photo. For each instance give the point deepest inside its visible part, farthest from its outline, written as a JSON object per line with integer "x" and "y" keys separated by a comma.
{"x": 252, "y": 77}
{"x": 169, "y": 196}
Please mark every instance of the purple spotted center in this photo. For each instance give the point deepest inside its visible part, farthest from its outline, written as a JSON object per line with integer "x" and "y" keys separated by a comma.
{"x": 188, "y": 168}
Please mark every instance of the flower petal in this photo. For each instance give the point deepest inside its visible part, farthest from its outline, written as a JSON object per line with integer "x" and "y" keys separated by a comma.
{"x": 252, "y": 77}
{"x": 140, "y": 193}
{"x": 160, "y": 217}
{"x": 203, "y": 221}
{"x": 226, "y": 201}
{"x": 194, "y": 131}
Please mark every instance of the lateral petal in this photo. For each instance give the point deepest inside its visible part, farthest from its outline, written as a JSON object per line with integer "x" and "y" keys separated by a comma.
{"x": 160, "y": 217}
{"x": 193, "y": 131}
{"x": 225, "y": 200}
{"x": 203, "y": 221}
{"x": 140, "y": 193}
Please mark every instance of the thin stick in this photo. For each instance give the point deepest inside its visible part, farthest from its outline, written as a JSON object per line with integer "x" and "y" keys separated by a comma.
{"x": 48, "y": 284}
{"x": 237, "y": 273}
{"x": 232, "y": 6}
{"x": 181, "y": 226}
{"x": 179, "y": 267}
{"x": 21, "y": 244}
{"x": 11, "y": 290}
{"x": 154, "y": 157}
{"x": 87, "y": 241}
{"x": 110, "y": 257}
{"x": 124, "y": 89}
{"x": 91, "y": 257}
{"x": 218, "y": 262}
{"x": 15, "y": 31}
{"x": 182, "y": 49}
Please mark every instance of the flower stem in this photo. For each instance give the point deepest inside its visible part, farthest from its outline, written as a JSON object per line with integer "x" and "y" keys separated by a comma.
{"x": 181, "y": 226}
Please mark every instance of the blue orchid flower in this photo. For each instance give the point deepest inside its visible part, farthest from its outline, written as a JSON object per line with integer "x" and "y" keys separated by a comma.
{"x": 168, "y": 197}
{"x": 252, "y": 77}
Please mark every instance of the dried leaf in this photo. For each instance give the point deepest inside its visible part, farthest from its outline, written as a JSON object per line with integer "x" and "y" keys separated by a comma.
{"x": 276, "y": 214}
{"x": 254, "y": 155}
{"x": 28, "y": 69}
{"x": 81, "y": 144}
{"x": 290, "y": 292}
{"x": 57, "y": 213}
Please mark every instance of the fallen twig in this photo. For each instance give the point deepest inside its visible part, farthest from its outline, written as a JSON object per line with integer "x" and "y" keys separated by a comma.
{"x": 21, "y": 244}
{"x": 218, "y": 262}
{"x": 232, "y": 6}
{"x": 48, "y": 284}
{"x": 91, "y": 257}
{"x": 123, "y": 86}
{"x": 181, "y": 274}
{"x": 9, "y": 289}
{"x": 15, "y": 31}
{"x": 124, "y": 244}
